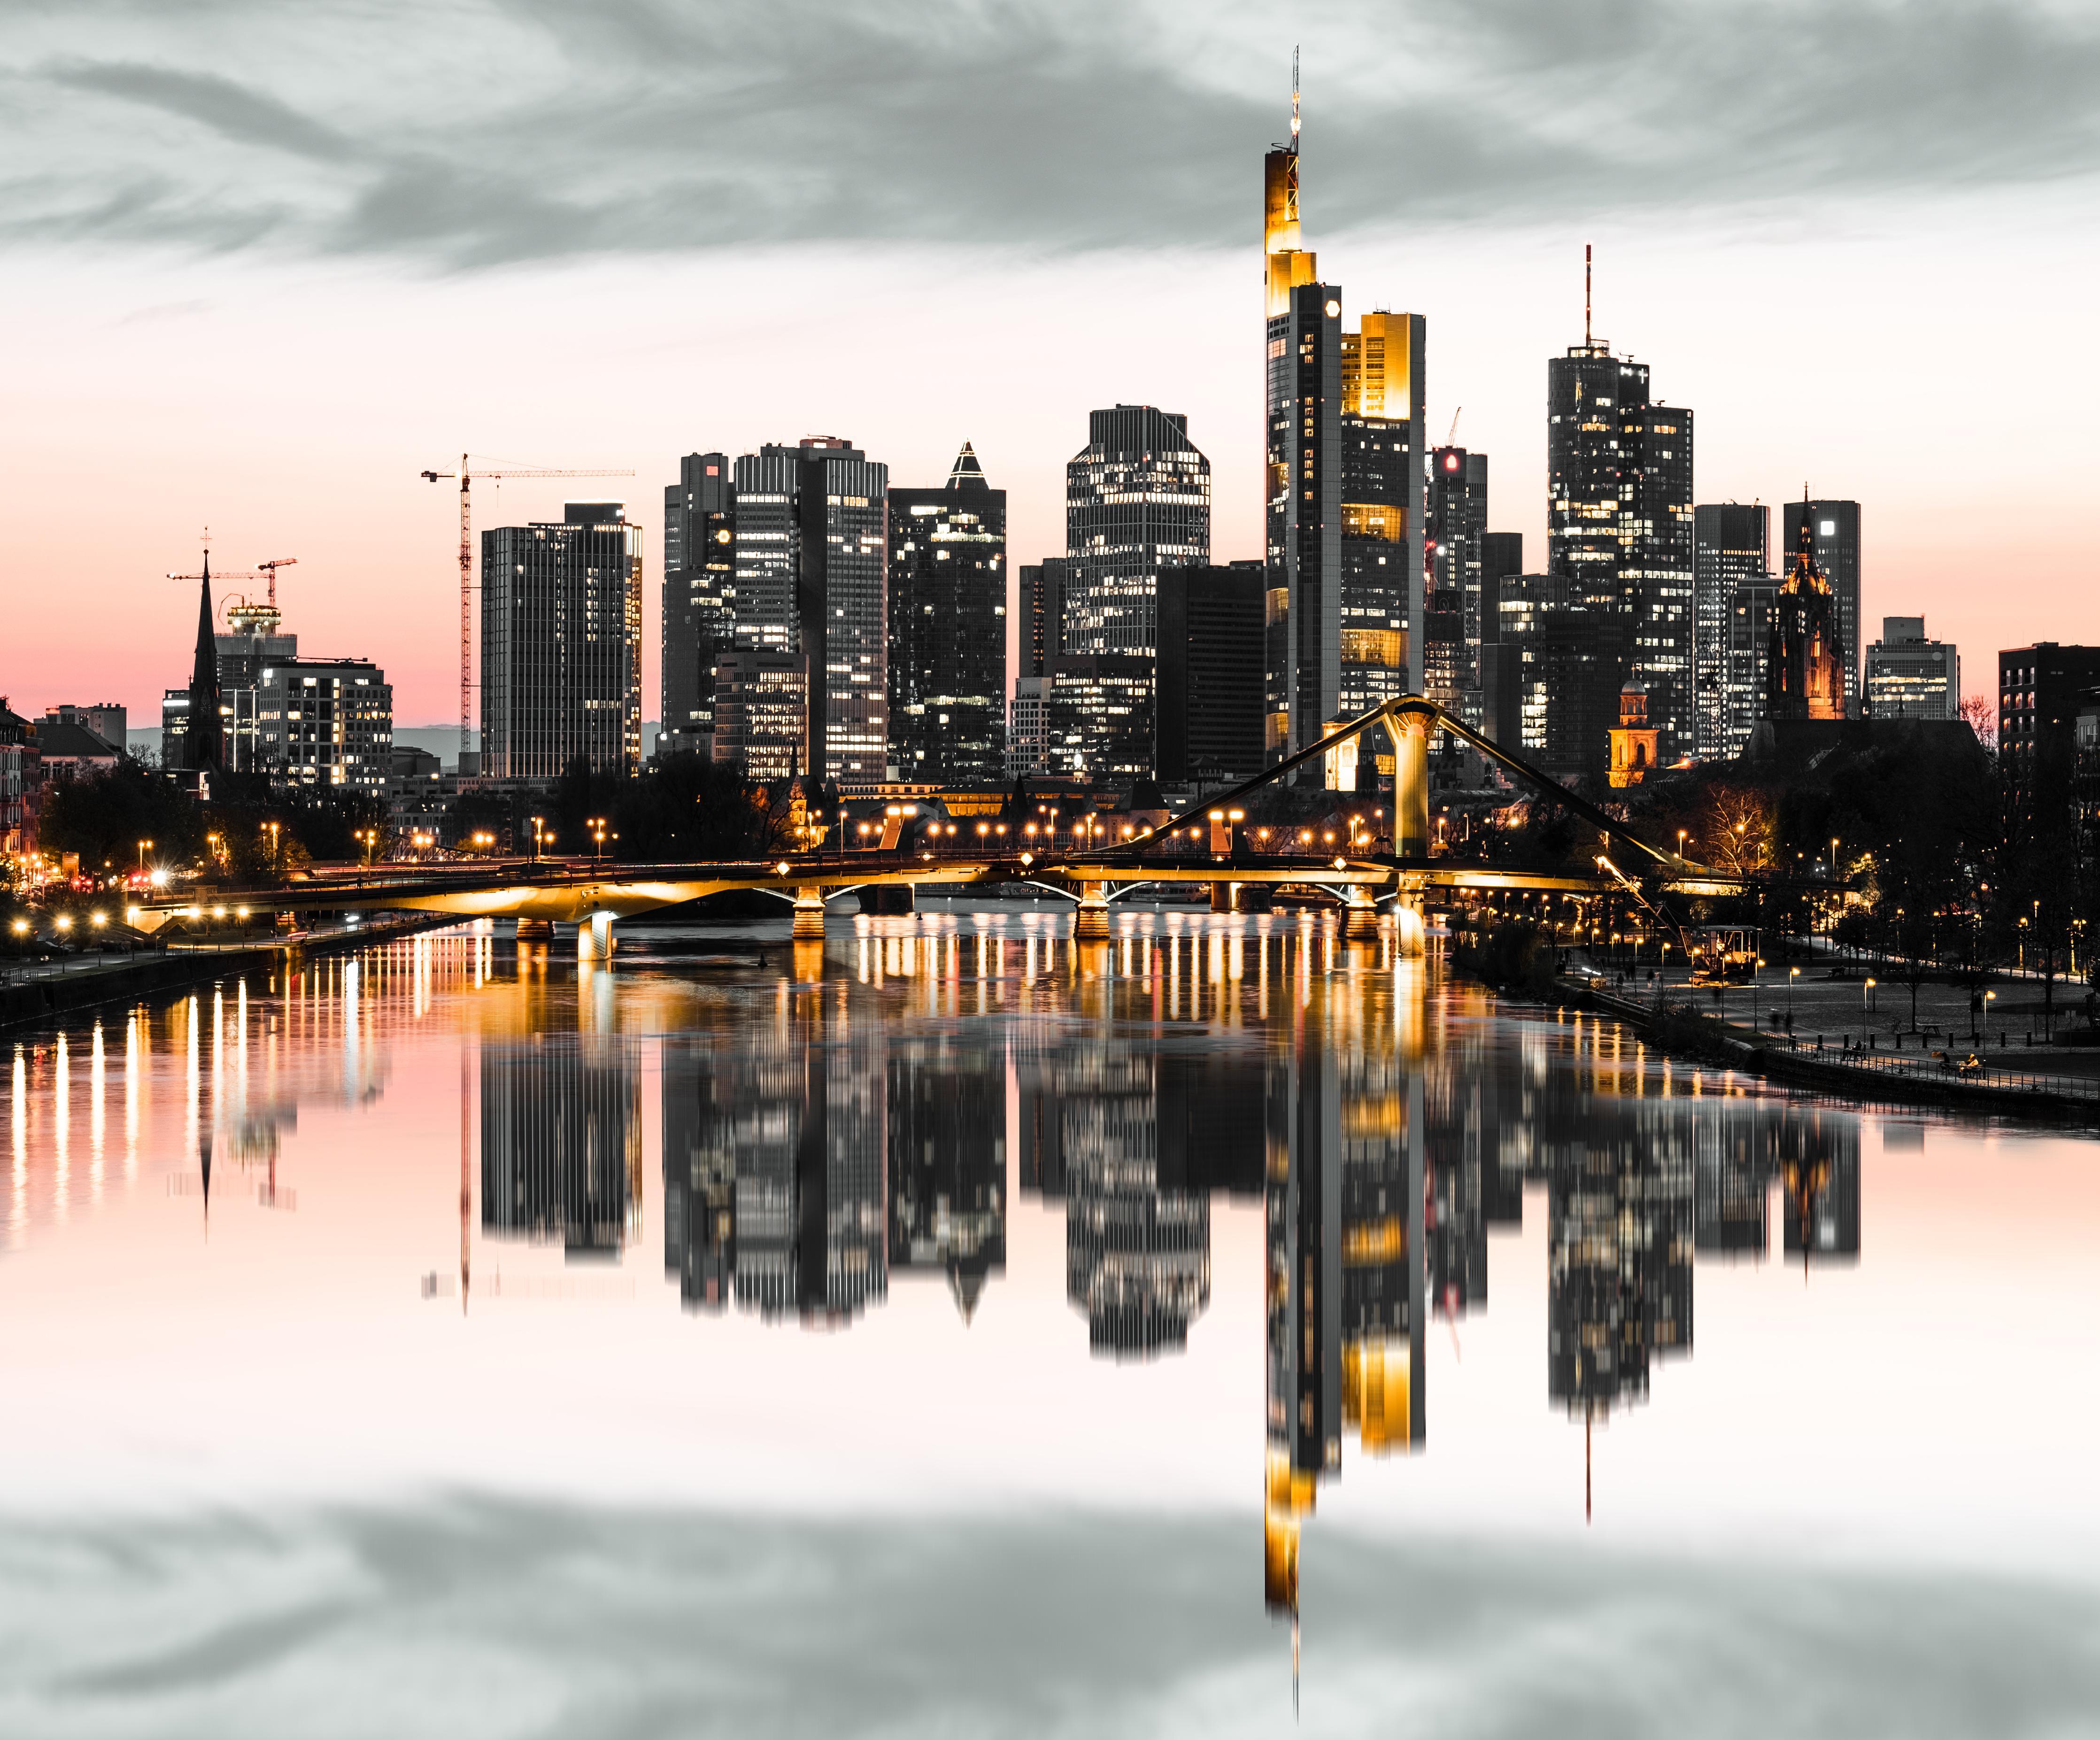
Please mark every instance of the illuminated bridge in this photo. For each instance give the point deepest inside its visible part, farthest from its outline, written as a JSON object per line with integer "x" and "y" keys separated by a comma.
{"x": 593, "y": 895}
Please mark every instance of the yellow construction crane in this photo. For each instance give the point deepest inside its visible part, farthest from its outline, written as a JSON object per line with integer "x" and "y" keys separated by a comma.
{"x": 466, "y": 477}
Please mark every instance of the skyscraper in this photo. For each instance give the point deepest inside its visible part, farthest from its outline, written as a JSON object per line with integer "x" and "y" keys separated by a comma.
{"x": 947, "y": 628}
{"x": 1452, "y": 546}
{"x": 1834, "y": 531}
{"x": 699, "y": 582}
{"x": 1750, "y": 607}
{"x": 1209, "y": 712}
{"x": 1619, "y": 520}
{"x": 1342, "y": 492}
{"x": 1137, "y": 499}
{"x": 561, "y": 637}
{"x": 1041, "y": 605}
{"x": 1731, "y": 543}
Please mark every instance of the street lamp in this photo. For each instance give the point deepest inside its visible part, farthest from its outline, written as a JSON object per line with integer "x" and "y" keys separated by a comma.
{"x": 538, "y": 836}
{"x": 276, "y": 860}
{"x": 1867, "y": 997}
{"x": 595, "y": 828}
{"x": 144, "y": 846}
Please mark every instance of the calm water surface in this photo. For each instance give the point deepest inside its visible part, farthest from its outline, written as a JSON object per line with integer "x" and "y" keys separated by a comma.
{"x": 956, "y": 1330}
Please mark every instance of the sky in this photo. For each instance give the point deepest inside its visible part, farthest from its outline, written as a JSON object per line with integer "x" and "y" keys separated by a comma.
{"x": 266, "y": 264}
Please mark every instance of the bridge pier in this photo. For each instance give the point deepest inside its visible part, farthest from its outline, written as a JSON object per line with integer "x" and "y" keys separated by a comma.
{"x": 594, "y": 938}
{"x": 1090, "y": 923}
{"x": 809, "y": 915}
{"x": 1410, "y": 783}
{"x": 1224, "y": 897}
{"x": 1360, "y": 922}
{"x": 535, "y": 930}
{"x": 1413, "y": 940}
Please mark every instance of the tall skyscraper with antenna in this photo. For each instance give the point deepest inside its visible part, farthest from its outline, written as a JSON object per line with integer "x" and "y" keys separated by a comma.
{"x": 1343, "y": 489}
{"x": 1619, "y": 519}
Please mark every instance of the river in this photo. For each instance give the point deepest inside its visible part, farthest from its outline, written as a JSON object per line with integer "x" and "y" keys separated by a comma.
{"x": 952, "y": 1329}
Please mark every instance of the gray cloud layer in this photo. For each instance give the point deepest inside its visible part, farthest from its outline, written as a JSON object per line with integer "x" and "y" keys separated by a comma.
{"x": 478, "y": 1619}
{"x": 512, "y": 130}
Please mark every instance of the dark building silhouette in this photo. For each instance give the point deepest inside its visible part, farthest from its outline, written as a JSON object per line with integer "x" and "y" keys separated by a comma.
{"x": 1833, "y": 529}
{"x": 1208, "y": 711}
{"x": 561, "y": 1143}
{"x": 1452, "y": 546}
{"x": 561, "y": 645}
{"x": 1042, "y": 607}
{"x": 947, "y": 629}
{"x": 700, "y": 1143}
{"x": 1556, "y": 696}
{"x": 947, "y": 1168}
{"x": 202, "y": 747}
{"x": 1805, "y": 660}
{"x": 700, "y": 599}
{"x": 1733, "y": 1168}
{"x": 1732, "y": 547}
{"x": 1502, "y": 558}
{"x": 2040, "y": 690}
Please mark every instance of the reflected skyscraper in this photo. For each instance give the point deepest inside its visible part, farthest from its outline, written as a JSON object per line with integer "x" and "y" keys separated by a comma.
{"x": 1819, "y": 1168}
{"x": 561, "y": 1143}
{"x": 947, "y": 1167}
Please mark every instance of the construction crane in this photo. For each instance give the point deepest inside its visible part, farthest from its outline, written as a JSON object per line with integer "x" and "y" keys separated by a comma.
{"x": 271, "y": 569}
{"x": 1452, "y": 439}
{"x": 466, "y": 477}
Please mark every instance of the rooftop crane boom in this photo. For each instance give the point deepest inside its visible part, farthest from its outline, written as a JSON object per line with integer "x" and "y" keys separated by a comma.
{"x": 466, "y": 477}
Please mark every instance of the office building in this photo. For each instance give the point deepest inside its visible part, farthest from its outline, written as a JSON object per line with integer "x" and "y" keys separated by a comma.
{"x": 1384, "y": 511}
{"x": 1454, "y": 546}
{"x": 1343, "y": 485}
{"x": 1502, "y": 558}
{"x": 1752, "y": 607}
{"x": 325, "y": 724}
{"x": 1099, "y": 708}
{"x": 946, "y": 654}
{"x": 1558, "y": 676}
{"x": 1028, "y": 748}
{"x": 1137, "y": 499}
{"x": 1806, "y": 659}
{"x": 2040, "y": 688}
{"x": 1834, "y": 533}
{"x": 561, "y": 645}
{"x": 1731, "y": 545}
{"x": 700, "y": 599}
{"x": 1619, "y": 520}
{"x": 1911, "y": 678}
{"x": 1041, "y": 607}
{"x": 1208, "y": 726}
{"x": 761, "y": 712}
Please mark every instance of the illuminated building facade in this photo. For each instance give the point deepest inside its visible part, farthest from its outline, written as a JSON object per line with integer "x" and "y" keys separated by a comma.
{"x": 1099, "y": 711}
{"x": 1137, "y": 499}
{"x": 947, "y": 629}
{"x": 1559, "y": 674}
{"x": 1911, "y": 678}
{"x": 561, "y": 645}
{"x": 325, "y": 724}
{"x": 699, "y": 597}
{"x": 1028, "y": 746}
{"x": 1342, "y": 489}
{"x": 1751, "y": 602}
{"x": 1805, "y": 661}
{"x": 1731, "y": 547}
{"x": 1619, "y": 521}
{"x": 761, "y": 713}
{"x": 1633, "y": 738}
{"x": 1833, "y": 531}
{"x": 1208, "y": 725}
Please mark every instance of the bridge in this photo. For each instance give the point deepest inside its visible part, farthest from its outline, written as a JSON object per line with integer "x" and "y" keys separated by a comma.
{"x": 592, "y": 895}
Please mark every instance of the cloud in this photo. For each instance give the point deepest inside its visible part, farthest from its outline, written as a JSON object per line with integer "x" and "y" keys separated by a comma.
{"x": 492, "y": 130}
{"x": 526, "y": 1618}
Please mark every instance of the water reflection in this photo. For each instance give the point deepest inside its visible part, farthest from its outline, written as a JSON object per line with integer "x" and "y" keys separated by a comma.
{"x": 882, "y": 1110}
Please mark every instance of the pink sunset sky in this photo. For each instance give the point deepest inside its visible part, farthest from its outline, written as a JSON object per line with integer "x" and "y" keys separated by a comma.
{"x": 267, "y": 265}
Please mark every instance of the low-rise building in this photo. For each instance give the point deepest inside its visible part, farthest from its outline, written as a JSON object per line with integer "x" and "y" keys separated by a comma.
{"x": 20, "y": 782}
{"x": 68, "y": 751}
{"x": 1911, "y": 678}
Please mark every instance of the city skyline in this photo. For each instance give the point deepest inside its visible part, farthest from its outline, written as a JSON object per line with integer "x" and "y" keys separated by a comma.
{"x": 192, "y": 353}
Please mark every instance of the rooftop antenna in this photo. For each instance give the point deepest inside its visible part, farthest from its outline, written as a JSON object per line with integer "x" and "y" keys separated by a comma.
{"x": 1585, "y": 295}
{"x": 1294, "y": 98}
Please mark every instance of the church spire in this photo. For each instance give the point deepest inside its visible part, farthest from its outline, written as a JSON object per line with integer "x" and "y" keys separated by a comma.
{"x": 202, "y": 748}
